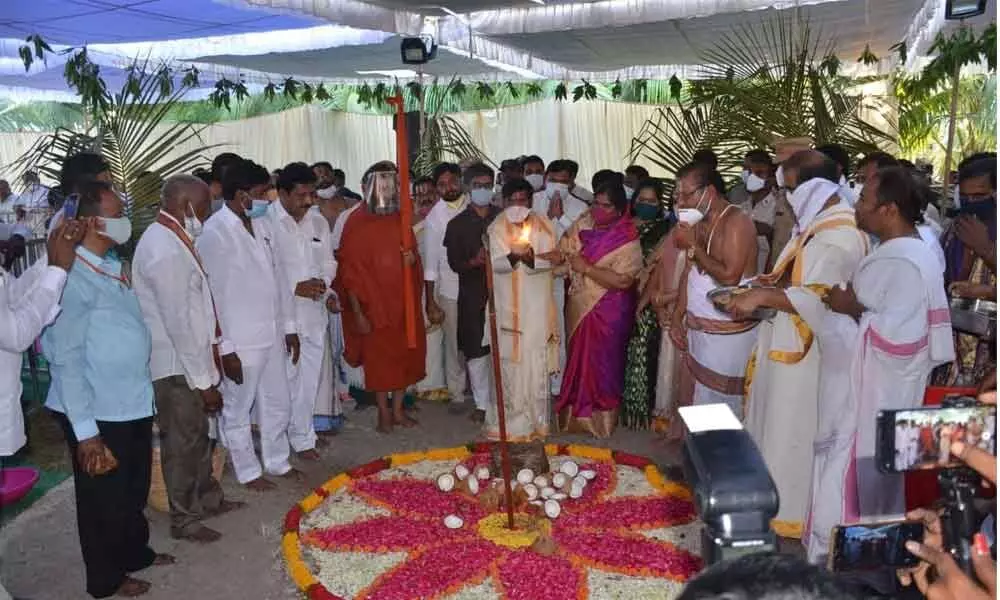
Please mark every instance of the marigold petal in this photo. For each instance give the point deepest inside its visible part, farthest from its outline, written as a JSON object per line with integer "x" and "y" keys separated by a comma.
{"x": 296, "y": 567}
{"x": 628, "y": 554}
{"x": 310, "y": 502}
{"x": 336, "y": 483}
{"x": 459, "y": 453}
{"x": 435, "y": 571}
{"x": 406, "y": 458}
{"x": 591, "y": 452}
{"x": 526, "y": 575}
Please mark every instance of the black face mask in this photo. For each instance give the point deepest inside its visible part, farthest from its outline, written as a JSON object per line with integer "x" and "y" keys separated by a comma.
{"x": 983, "y": 209}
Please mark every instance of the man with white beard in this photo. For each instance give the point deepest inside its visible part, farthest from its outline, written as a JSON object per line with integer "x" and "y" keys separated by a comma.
{"x": 898, "y": 330}
{"x": 562, "y": 208}
{"x": 306, "y": 268}
{"x": 237, "y": 247}
{"x": 784, "y": 372}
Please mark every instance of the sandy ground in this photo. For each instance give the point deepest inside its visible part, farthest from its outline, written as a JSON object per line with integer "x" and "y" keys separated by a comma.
{"x": 41, "y": 553}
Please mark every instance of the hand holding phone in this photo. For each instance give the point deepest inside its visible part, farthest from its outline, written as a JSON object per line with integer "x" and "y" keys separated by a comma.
{"x": 872, "y": 546}
{"x": 71, "y": 206}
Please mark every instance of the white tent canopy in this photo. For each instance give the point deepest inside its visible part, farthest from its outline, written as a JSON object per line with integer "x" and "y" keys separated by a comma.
{"x": 351, "y": 40}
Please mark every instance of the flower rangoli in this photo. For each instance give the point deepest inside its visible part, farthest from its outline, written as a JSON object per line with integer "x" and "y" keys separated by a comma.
{"x": 379, "y": 532}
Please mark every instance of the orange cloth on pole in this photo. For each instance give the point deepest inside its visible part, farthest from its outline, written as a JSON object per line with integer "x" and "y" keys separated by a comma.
{"x": 371, "y": 268}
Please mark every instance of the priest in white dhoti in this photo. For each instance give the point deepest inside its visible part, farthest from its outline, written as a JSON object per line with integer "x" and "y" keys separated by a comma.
{"x": 899, "y": 325}
{"x": 522, "y": 245}
{"x": 306, "y": 267}
{"x": 721, "y": 245}
{"x": 433, "y": 386}
{"x": 237, "y": 247}
{"x": 784, "y": 371}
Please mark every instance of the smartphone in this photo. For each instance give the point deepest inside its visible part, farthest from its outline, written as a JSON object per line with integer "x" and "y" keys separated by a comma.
{"x": 71, "y": 206}
{"x": 919, "y": 439}
{"x": 871, "y": 546}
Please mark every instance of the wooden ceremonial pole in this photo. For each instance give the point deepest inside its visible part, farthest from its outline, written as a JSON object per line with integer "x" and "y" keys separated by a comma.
{"x": 498, "y": 385}
{"x": 406, "y": 218}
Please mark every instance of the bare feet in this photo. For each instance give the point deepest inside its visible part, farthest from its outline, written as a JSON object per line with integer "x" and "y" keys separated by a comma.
{"x": 384, "y": 426}
{"x": 404, "y": 420}
{"x": 293, "y": 475}
{"x": 260, "y": 485}
{"x": 131, "y": 588}
{"x": 310, "y": 454}
{"x": 227, "y": 506}
{"x": 478, "y": 416}
{"x": 163, "y": 560}
{"x": 200, "y": 535}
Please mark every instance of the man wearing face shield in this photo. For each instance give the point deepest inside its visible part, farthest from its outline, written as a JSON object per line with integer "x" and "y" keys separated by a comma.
{"x": 238, "y": 249}
{"x": 784, "y": 372}
{"x": 371, "y": 271}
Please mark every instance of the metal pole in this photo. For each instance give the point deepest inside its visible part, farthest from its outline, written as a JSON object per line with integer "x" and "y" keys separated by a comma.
{"x": 498, "y": 385}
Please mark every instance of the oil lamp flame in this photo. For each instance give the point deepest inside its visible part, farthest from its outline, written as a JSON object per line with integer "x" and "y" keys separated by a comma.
{"x": 525, "y": 237}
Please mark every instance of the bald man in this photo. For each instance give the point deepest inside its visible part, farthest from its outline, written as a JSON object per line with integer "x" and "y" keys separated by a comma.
{"x": 178, "y": 309}
{"x": 804, "y": 348}
{"x": 784, "y": 217}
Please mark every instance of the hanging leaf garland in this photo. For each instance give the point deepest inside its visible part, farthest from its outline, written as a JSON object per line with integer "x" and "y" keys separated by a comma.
{"x": 868, "y": 57}
{"x": 485, "y": 90}
{"x": 616, "y": 89}
{"x": 534, "y": 90}
{"x": 675, "y": 87}
{"x": 561, "y": 92}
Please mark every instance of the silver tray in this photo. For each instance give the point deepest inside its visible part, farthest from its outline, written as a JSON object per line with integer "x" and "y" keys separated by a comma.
{"x": 976, "y": 317}
{"x": 716, "y": 296}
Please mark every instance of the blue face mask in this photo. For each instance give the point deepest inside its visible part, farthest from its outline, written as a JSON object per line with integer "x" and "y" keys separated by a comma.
{"x": 258, "y": 209}
{"x": 646, "y": 212}
{"x": 481, "y": 197}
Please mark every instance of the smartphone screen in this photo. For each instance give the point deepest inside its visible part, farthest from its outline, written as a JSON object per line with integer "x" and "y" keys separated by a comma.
{"x": 70, "y": 206}
{"x": 920, "y": 439}
{"x": 870, "y": 546}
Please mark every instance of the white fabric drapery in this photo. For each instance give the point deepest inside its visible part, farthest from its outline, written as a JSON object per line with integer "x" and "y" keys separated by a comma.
{"x": 596, "y": 134}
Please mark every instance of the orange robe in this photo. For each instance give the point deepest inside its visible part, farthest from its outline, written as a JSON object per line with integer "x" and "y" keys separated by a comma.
{"x": 371, "y": 267}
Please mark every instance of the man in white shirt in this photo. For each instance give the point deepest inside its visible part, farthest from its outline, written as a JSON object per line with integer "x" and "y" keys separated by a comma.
{"x": 7, "y": 201}
{"x": 306, "y": 268}
{"x": 579, "y": 192}
{"x": 35, "y": 201}
{"x": 237, "y": 248}
{"x": 27, "y": 305}
{"x": 759, "y": 202}
{"x": 440, "y": 281}
{"x": 178, "y": 309}
{"x": 563, "y": 209}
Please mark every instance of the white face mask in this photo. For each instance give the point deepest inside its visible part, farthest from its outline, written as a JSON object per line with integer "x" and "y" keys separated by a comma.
{"x": 536, "y": 180}
{"x": 119, "y": 230}
{"x": 745, "y": 175}
{"x": 779, "y": 175}
{"x": 692, "y": 216}
{"x": 956, "y": 197}
{"x": 481, "y": 197}
{"x": 552, "y": 187}
{"x": 193, "y": 226}
{"x": 628, "y": 192}
{"x": 517, "y": 214}
{"x": 754, "y": 183}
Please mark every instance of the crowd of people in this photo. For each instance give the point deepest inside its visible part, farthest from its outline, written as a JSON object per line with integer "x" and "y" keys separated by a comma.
{"x": 804, "y": 298}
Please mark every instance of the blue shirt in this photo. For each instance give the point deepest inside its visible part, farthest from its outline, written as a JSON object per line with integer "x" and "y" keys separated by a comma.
{"x": 98, "y": 349}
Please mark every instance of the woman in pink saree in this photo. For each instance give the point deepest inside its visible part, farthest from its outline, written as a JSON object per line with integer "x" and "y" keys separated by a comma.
{"x": 603, "y": 253}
